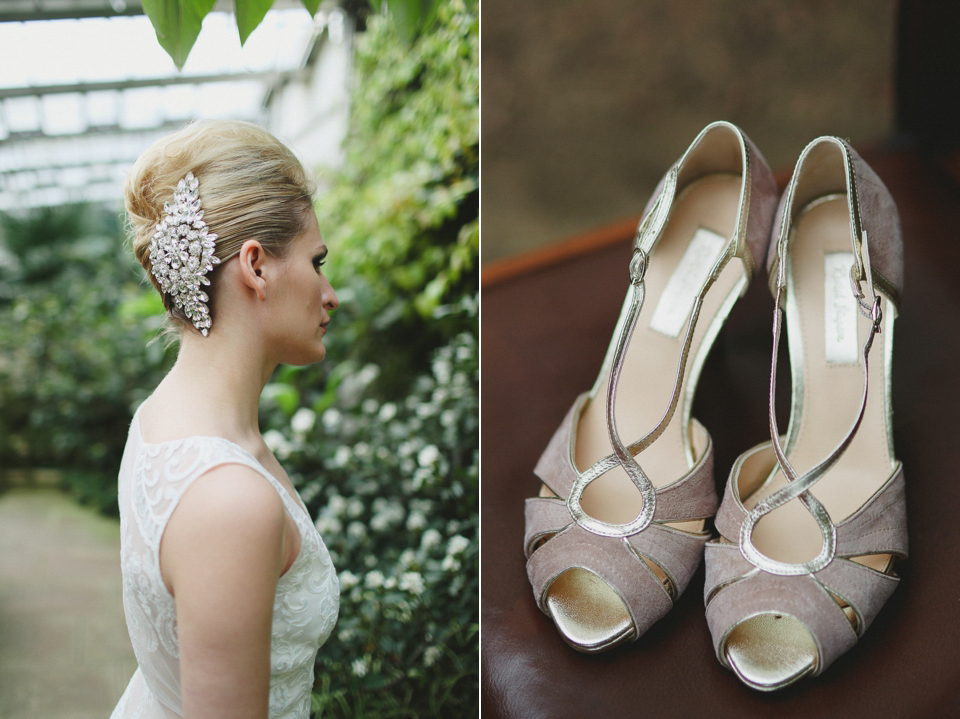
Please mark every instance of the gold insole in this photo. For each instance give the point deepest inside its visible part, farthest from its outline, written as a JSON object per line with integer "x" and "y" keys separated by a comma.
{"x": 770, "y": 651}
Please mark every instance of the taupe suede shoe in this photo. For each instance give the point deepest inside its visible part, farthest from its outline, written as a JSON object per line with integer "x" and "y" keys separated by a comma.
{"x": 611, "y": 544}
{"x": 812, "y": 522}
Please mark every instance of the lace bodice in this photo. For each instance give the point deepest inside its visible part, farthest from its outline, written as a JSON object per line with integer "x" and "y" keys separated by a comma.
{"x": 153, "y": 478}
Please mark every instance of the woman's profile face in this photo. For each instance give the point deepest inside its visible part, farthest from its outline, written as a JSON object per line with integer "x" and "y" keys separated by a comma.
{"x": 303, "y": 299}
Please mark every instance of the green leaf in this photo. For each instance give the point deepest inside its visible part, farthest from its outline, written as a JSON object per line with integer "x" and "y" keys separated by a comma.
{"x": 143, "y": 304}
{"x": 411, "y": 16}
{"x": 250, "y": 13}
{"x": 312, "y": 6}
{"x": 284, "y": 396}
{"x": 177, "y": 24}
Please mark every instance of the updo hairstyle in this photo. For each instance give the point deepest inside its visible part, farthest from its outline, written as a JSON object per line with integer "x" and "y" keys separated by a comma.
{"x": 252, "y": 187}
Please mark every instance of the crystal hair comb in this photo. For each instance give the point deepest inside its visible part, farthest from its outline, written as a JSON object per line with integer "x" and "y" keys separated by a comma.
{"x": 181, "y": 253}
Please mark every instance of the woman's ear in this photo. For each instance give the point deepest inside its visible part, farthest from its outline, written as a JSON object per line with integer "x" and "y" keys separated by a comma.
{"x": 252, "y": 258}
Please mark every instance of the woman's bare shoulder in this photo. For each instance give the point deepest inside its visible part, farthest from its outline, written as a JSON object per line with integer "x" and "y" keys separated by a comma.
{"x": 232, "y": 496}
{"x": 230, "y": 517}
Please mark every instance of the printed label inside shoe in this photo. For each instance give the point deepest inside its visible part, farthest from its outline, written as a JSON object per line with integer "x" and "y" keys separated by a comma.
{"x": 839, "y": 310}
{"x": 680, "y": 294}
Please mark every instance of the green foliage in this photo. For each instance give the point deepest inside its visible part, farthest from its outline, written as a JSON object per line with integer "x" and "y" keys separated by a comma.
{"x": 73, "y": 324}
{"x": 250, "y": 13}
{"x": 382, "y": 438}
{"x": 410, "y": 16}
{"x": 178, "y": 22}
{"x": 402, "y": 216}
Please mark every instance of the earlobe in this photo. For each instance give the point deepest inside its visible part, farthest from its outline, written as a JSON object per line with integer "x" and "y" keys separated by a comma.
{"x": 252, "y": 258}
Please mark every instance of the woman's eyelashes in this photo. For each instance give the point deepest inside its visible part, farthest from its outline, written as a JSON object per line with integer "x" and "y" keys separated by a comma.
{"x": 319, "y": 261}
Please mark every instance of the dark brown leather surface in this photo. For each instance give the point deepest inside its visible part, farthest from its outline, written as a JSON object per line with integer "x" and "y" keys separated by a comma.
{"x": 544, "y": 336}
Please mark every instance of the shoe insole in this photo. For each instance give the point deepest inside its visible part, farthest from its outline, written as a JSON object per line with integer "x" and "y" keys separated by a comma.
{"x": 650, "y": 365}
{"x": 826, "y": 334}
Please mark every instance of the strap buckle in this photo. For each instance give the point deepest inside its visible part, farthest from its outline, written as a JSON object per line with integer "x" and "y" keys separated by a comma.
{"x": 638, "y": 266}
{"x": 871, "y": 311}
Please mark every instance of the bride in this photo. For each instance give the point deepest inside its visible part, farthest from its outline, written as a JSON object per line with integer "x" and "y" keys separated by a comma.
{"x": 228, "y": 589}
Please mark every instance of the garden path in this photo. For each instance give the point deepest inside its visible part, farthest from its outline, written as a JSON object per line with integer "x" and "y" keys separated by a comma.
{"x": 64, "y": 648}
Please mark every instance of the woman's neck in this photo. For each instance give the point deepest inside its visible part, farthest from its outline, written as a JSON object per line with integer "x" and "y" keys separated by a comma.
{"x": 214, "y": 387}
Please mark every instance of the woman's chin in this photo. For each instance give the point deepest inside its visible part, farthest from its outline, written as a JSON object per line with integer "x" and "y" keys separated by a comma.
{"x": 304, "y": 356}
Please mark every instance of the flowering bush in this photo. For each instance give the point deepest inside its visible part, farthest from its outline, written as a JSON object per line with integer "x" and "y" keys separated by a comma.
{"x": 382, "y": 438}
{"x": 393, "y": 486}
{"x": 73, "y": 325}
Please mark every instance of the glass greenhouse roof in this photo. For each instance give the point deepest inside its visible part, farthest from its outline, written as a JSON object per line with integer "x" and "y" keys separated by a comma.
{"x": 81, "y": 97}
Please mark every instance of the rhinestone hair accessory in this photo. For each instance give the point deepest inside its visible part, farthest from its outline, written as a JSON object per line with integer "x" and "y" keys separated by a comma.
{"x": 181, "y": 253}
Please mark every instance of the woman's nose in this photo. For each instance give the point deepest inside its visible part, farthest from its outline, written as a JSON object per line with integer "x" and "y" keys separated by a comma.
{"x": 330, "y": 299}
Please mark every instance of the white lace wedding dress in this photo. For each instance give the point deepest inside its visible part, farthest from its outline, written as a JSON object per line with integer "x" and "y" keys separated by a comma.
{"x": 153, "y": 478}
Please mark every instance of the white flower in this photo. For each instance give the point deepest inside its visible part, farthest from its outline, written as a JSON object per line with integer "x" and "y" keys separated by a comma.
{"x": 390, "y": 583}
{"x": 448, "y": 418}
{"x": 427, "y": 409}
{"x": 361, "y": 450}
{"x": 328, "y": 525}
{"x": 421, "y": 505}
{"x": 359, "y": 667}
{"x": 428, "y": 456}
{"x": 277, "y": 443}
{"x": 382, "y": 520}
{"x": 441, "y": 370}
{"x": 430, "y": 656}
{"x": 449, "y": 564}
{"x": 342, "y": 456}
{"x": 457, "y": 544}
{"x": 406, "y": 558}
{"x": 431, "y": 538}
{"x": 387, "y": 412}
{"x": 386, "y": 513}
{"x": 416, "y": 520}
{"x": 374, "y": 579}
{"x": 331, "y": 419}
{"x": 336, "y": 505}
{"x": 356, "y": 530}
{"x": 303, "y": 420}
{"x": 369, "y": 373}
{"x": 421, "y": 477}
{"x": 348, "y": 580}
{"x": 354, "y": 507}
{"x": 369, "y": 405}
{"x": 412, "y": 582}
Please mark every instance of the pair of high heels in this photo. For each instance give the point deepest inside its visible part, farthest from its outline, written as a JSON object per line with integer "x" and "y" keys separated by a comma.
{"x": 811, "y": 522}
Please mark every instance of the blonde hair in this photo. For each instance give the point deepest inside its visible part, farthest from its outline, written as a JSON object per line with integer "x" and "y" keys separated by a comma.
{"x": 251, "y": 185}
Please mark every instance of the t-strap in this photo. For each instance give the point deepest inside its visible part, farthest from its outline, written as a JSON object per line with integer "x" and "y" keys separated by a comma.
{"x": 799, "y": 486}
{"x": 649, "y": 230}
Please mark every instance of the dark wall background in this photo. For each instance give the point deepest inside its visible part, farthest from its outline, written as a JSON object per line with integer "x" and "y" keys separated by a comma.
{"x": 585, "y": 103}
